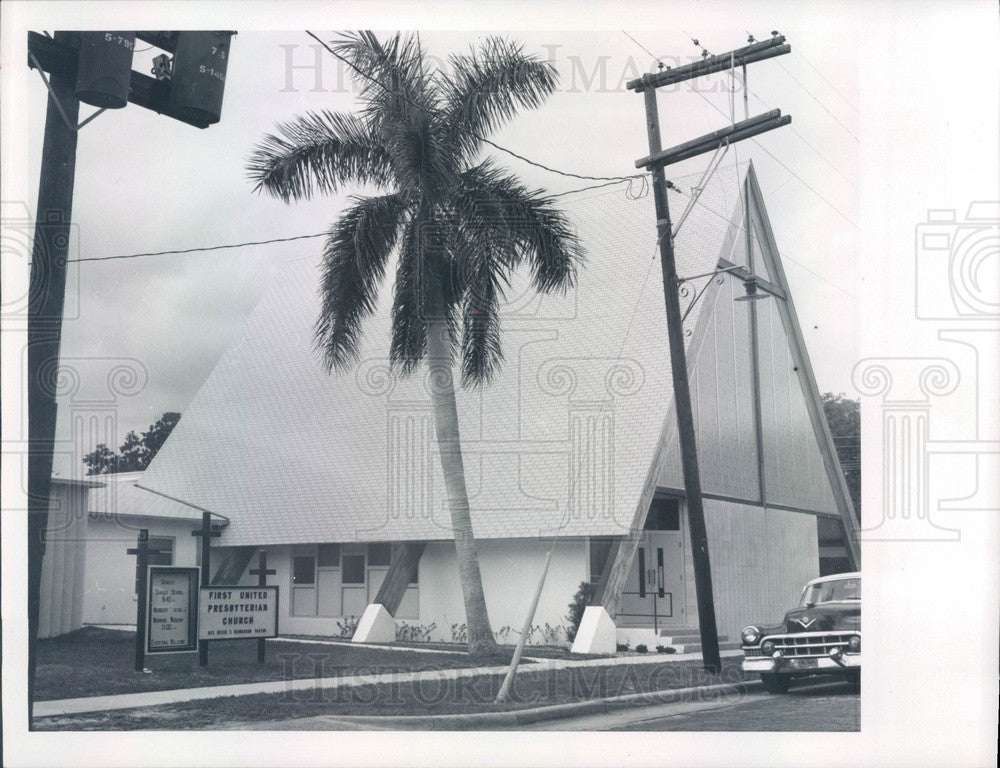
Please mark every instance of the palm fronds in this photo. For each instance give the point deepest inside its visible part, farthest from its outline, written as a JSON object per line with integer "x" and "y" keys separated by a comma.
{"x": 488, "y": 86}
{"x": 318, "y": 152}
{"x": 354, "y": 260}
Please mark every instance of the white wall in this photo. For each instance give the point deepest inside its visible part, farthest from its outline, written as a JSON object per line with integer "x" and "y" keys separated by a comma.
{"x": 511, "y": 569}
{"x": 60, "y": 606}
{"x": 108, "y": 585}
{"x": 761, "y": 559}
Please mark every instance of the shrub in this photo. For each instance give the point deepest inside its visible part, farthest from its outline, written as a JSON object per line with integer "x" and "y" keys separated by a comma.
{"x": 621, "y": 647}
{"x": 459, "y": 633}
{"x": 552, "y": 635}
{"x": 414, "y": 633}
{"x": 348, "y": 627}
{"x": 576, "y": 608}
{"x": 641, "y": 648}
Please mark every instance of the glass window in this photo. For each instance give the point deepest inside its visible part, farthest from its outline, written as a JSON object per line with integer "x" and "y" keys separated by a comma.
{"x": 328, "y": 555}
{"x": 664, "y": 515}
{"x": 832, "y": 591}
{"x": 303, "y": 569}
{"x": 379, "y": 554}
{"x": 600, "y": 548}
{"x": 352, "y": 569}
{"x": 166, "y": 546}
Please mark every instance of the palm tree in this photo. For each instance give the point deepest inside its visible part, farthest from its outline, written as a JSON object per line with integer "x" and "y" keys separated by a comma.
{"x": 462, "y": 226}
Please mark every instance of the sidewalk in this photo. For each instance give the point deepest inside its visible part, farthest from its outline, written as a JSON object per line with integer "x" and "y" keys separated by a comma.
{"x": 155, "y": 698}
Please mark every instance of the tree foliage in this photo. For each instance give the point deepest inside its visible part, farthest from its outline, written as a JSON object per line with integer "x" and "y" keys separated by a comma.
{"x": 135, "y": 452}
{"x": 844, "y": 417}
{"x": 461, "y": 224}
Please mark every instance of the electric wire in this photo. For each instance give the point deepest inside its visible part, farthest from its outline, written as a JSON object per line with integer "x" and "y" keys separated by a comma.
{"x": 630, "y": 194}
{"x": 493, "y": 144}
{"x": 835, "y": 89}
{"x": 782, "y": 255}
{"x": 755, "y": 141}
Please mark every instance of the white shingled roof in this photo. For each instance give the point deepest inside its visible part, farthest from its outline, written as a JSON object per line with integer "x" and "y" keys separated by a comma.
{"x": 291, "y": 454}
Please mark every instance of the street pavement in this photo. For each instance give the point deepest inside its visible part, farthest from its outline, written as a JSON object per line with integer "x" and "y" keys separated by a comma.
{"x": 810, "y": 706}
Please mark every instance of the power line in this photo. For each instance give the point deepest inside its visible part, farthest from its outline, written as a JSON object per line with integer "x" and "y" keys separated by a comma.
{"x": 802, "y": 181}
{"x": 481, "y": 138}
{"x": 632, "y": 195}
{"x": 836, "y": 90}
{"x": 761, "y": 146}
{"x": 814, "y": 98}
{"x": 756, "y": 237}
{"x": 199, "y": 249}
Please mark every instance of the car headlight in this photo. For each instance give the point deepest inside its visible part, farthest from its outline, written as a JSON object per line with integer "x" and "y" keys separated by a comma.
{"x": 767, "y": 647}
{"x": 854, "y": 644}
{"x": 750, "y": 635}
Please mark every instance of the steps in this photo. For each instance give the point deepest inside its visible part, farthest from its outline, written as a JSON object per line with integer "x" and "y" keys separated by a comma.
{"x": 689, "y": 640}
{"x": 683, "y": 640}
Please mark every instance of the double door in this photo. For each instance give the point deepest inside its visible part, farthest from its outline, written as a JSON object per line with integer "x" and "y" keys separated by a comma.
{"x": 654, "y": 595}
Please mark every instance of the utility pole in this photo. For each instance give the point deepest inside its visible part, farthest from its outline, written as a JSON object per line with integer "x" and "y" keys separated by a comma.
{"x": 93, "y": 67}
{"x": 49, "y": 252}
{"x": 656, "y": 161}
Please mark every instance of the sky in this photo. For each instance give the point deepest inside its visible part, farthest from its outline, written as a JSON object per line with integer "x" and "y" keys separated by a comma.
{"x": 148, "y": 183}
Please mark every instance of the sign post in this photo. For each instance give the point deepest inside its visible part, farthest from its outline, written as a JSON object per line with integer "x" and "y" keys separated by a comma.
{"x": 207, "y": 533}
{"x": 262, "y": 572}
{"x": 142, "y": 552}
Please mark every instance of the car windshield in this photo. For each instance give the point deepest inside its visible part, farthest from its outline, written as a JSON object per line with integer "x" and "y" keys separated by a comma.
{"x": 830, "y": 591}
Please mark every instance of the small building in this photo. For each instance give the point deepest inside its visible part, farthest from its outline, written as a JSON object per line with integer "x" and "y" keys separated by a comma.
{"x": 115, "y": 514}
{"x": 88, "y": 577}
{"x": 573, "y": 447}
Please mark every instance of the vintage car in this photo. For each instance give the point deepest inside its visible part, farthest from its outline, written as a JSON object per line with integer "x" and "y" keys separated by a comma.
{"x": 820, "y": 637}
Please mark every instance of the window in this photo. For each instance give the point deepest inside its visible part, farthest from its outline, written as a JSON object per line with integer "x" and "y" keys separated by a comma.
{"x": 166, "y": 546}
{"x": 328, "y": 555}
{"x": 664, "y": 515}
{"x": 600, "y": 548}
{"x": 352, "y": 569}
{"x": 303, "y": 569}
{"x": 379, "y": 554}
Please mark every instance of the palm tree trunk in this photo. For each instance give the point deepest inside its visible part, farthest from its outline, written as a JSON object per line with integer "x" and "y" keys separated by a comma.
{"x": 439, "y": 359}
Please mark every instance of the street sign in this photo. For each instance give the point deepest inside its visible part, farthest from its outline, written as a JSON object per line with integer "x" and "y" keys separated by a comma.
{"x": 234, "y": 613}
{"x": 172, "y": 609}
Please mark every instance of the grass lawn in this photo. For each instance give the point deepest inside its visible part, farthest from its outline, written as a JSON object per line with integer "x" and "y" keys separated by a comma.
{"x": 96, "y": 662}
{"x": 534, "y": 687}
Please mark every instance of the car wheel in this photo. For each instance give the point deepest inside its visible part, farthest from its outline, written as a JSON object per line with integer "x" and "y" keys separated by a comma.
{"x": 853, "y": 676}
{"x": 774, "y": 683}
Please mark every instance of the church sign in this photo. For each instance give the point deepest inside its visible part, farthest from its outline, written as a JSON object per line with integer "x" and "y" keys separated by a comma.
{"x": 232, "y": 613}
{"x": 171, "y": 609}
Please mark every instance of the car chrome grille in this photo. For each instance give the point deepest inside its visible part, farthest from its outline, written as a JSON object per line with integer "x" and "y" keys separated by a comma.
{"x": 810, "y": 644}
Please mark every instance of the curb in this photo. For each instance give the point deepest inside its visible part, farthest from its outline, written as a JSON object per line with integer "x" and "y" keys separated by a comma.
{"x": 513, "y": 718}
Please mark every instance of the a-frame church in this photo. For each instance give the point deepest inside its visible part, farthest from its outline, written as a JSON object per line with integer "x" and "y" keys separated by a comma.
{"x": 572, "y": 447}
